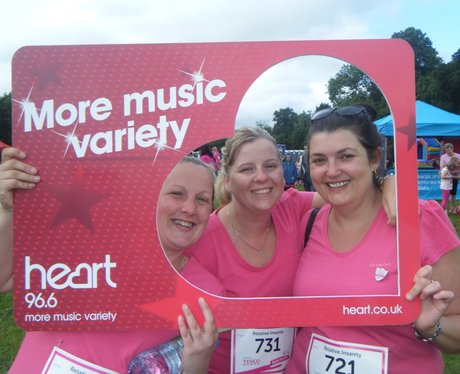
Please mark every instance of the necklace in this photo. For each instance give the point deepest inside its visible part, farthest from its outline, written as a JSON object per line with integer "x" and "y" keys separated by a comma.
{"x": 259, "y": 250}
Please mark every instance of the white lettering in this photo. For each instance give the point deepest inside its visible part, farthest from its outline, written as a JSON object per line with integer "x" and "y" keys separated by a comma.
{"x": 37, "y": 317}
{"x": 66, "y": 114}
{"x": 60, "y": 276}
{"x": 145, "y": 136}
{"x": 32, "y": 116}
{"x": 208, "y": 91}
{"x": 149, "y": 101}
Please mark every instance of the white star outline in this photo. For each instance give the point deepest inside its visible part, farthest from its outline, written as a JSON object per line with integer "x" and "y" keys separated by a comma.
{"x": 22, "y": 103}
{"x": 69, "y": 138}
{"x": 160, "y": 145}
{"x": 196, "y": 76}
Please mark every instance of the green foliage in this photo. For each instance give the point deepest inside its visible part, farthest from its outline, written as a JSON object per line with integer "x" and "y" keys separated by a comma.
{"x": 264, "y": 125}
{"x": 5, "y": 118}
{"x": 426, "y": 57}
{"x": 350, "y": 86}
{"x": 437, "y": 83}
{"x": 441, "y": 87}
{"x": 299, "y": 135}
{"x": 290, "y": 128}
{"x": 321, "y": 106}
{"x": 10, "y": 335}
{"x": 284, "y": 120}
{"x": 451, "y": 364}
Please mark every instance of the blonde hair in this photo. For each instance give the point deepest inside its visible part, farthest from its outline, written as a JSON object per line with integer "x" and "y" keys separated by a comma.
{"x": 452, "y": 163}
{"x": 229, "y": 152}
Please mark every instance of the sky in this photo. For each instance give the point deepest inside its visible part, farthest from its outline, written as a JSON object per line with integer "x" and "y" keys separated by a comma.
{"x": 63, "y": 22}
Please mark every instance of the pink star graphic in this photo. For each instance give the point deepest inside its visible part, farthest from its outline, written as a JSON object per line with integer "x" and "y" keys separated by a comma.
{"x": 169, "y": 308}
{"x": 408, "y": 130}
{"x": 46, "y": 72}
{"x": 76, "y": 202}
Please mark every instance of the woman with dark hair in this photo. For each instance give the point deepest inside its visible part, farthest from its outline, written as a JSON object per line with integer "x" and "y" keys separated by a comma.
{"x": 352, "y": 251}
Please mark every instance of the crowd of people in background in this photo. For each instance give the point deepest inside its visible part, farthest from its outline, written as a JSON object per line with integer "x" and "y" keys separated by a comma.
{"x": 295, "y": 164}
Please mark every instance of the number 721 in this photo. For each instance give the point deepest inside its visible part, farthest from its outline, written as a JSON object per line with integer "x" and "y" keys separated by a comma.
{"x": 341, "y": 363}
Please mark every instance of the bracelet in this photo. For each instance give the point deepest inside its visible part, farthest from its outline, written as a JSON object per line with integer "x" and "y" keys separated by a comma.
{"x": 432, "y": 338}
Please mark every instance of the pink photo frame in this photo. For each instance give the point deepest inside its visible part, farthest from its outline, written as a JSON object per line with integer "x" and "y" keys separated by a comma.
{"x": 87, "y": 254}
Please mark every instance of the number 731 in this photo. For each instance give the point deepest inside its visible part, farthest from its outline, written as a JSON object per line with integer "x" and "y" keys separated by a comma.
{"x": 268, "y": 344}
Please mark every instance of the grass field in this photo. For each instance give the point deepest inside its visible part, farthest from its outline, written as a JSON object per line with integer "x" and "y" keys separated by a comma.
{"x": 11, "y": 335}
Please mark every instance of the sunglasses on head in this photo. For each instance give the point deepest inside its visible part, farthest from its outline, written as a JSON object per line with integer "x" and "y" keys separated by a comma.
{"x": 352, "y": 110}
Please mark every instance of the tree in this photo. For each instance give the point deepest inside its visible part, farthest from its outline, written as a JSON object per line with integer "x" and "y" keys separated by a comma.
{"x": 5, "y": 118}
{"x": 285, "y": 120}
{"x": 350, "y": 86}
{"x": 436, "y": 83}
{"x": 299, "y": 134}
{"x": 321, "y": 107}
{"x": 426, "y": 57}
{"x": 264, "y": 125}
{"x": 456, "y": 56}
{"x": 441, "y": 87}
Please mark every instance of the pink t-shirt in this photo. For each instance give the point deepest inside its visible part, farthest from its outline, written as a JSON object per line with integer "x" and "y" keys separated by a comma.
{"x": 111, "y": 350}
{"x": 209, "y": 160}
{"x": 216, "y": 252}
{"x": 445, "y": 158}
{"x": 322, "y": 271}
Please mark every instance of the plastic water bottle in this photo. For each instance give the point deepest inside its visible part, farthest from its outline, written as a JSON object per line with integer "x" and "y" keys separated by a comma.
{"x": 163, "y": 359}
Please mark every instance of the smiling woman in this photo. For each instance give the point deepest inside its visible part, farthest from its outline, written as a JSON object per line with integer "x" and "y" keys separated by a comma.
{"x": 352, "y": 251}
{"x": 184, "y": 208}
{"x": 251, "y": 243}
{"x": 182, "y": 218}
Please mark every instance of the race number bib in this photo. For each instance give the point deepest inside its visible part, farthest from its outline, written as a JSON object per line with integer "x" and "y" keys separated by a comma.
{"x": 326, "y": 356}
{"x": 62, "y": 362}
{"x": 261, "y": 350}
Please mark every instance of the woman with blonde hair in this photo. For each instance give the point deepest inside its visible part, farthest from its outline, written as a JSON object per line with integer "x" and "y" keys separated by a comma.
{"x": 252, "y": 242}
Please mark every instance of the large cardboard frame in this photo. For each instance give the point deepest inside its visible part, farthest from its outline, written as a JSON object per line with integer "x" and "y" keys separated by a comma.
{"x": 87, "y": 254}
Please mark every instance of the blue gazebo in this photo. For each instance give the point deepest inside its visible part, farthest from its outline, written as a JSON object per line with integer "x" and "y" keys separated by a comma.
{"x": 431, "y": 122}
